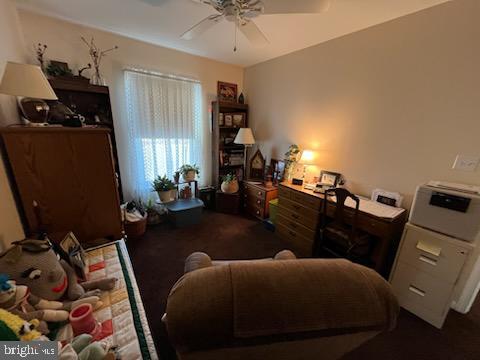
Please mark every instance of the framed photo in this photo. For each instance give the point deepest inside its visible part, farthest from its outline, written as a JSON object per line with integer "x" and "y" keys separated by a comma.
{"x": 277, "y": 167}
{"x": 238, "y": 120}
{"x": 330, "y": 178}
{"x": 226, "y": 92}
{"x": 228, "y": 120}
{"x": 220, "y": 119}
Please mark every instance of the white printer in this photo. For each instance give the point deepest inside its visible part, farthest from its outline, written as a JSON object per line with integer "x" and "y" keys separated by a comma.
{"x": 448, "y": 208}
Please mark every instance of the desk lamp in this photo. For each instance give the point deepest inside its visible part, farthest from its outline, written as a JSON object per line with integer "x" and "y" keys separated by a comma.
{"x": 28, "y": 82}
{"x": 245, "y": 137}
{"x": 306, "y": 159}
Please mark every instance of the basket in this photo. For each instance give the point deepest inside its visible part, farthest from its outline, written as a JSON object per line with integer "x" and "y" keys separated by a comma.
{"x": 136, "y": 229}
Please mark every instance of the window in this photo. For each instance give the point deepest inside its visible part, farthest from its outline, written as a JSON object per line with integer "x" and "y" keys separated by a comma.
{"x": 165, "y": 128}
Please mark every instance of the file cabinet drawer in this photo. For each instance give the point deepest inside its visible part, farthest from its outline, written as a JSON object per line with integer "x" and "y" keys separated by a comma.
{"x": 309, "y": 220}
{"x": 421, "y": 290}
{"x": 432, "y": 254}
{"x": 301, "y": 243}
{"x": 297, "y": 227}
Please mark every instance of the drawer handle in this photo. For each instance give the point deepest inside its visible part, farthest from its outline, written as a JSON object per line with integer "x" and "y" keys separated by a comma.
{"x": 295, "y": 216}
{"x": 293, "y": 225}
{"x": 259, "y": 193}
{"x": 258, "y": 201}
{"x": 296, "y": 206}
{"x": 258, "y": 212}
{"x": 427, "y": 260}
{"x": 416, "y": 290}
{"x": 429, "y": 248}
{"x": 292, "y": 233}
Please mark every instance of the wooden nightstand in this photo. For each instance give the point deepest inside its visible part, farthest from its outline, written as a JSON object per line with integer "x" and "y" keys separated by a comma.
{"x": 256, "y": 199}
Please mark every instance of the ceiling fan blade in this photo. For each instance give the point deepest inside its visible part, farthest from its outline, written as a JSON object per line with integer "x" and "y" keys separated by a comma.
{"x": 155, "y": 2}
{"x": 253, "y": 33}
{"x": 296, "y": 7}
{"x": 201, "y": 27}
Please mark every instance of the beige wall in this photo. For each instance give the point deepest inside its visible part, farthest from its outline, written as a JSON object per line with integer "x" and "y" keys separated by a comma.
{"x": 64, "y": 44}
{"x": 11, "y": 49}
{"x": 389, "y": 107}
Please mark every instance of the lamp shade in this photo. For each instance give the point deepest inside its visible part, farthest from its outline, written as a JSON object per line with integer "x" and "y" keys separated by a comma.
{"x": 245, "y": 137}
{"x": 27, "y": 81}
{"x": 307, "y": 157}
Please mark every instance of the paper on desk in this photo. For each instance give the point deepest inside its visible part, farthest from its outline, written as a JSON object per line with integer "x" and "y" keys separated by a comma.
{"x": 374, "y": 208}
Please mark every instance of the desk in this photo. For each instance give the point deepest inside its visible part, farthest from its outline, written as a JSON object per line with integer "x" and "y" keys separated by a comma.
{"x": 298, "y": 219}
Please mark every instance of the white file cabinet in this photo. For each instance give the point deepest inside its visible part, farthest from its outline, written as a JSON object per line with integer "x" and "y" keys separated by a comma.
{"x": 426, "y": 269}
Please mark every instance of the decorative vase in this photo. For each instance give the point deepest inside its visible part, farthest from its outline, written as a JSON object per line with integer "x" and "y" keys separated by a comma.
{"x": 97, "y": 79}
{"x": 189, "y": 176}
{"x": 230, "y": 187}
{"x": 241, "y": 99}
{"x": 165, "y": 196}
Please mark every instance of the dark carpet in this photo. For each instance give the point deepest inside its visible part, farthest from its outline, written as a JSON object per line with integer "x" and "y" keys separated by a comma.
{"x": 158, "y": 262}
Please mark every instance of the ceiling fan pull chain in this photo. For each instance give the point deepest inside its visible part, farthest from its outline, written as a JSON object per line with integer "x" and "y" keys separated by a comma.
{"x": 236, "y": 26}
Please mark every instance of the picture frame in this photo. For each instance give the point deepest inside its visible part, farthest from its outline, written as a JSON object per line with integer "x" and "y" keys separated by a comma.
{"x": 220, "y": 119}
{"x": 277, "y": 167}
{"x": 330, "y": 178}
{"x": 228, "y": 120}
{"x": 238, "y": 120}
{"x": 226, "y": 92}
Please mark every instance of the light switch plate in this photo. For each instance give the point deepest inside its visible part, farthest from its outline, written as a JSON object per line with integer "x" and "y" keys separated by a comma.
{"x": 466, "y": 163}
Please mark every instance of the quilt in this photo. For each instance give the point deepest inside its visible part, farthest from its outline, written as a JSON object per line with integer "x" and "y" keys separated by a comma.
{"x": 122, "y": 316}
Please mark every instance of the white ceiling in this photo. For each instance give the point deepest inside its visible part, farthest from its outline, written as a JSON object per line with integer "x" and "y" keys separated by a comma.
{"x": 163, "y": 24}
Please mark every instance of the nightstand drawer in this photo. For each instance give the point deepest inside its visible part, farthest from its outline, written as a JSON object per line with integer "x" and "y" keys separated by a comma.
{"x": 252, "y": 191}
{"x": 309, "y": 220}
{"x": 297, "y": 227}
{"x": 420, "y": 289}
{"x": 439, "y": 258}
{"x": 255, "y": 210}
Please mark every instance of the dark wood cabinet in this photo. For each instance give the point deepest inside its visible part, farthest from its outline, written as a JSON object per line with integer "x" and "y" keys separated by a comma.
{"x": 256, "y": 199}
{"x": 70, "y": 173}
{"x": 92, "y": 102}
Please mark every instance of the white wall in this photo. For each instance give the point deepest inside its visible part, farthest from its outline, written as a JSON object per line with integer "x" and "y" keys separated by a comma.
{"x": 390, "y": 106}
{"x": 64, "y": 44}
{"x": 11, "y": 49}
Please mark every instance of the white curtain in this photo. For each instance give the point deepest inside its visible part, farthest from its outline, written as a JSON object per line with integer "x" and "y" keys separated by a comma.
{"x": 165, "y": 129}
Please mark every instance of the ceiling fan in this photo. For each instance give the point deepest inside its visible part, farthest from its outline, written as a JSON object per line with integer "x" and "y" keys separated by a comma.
{"x": 242, "y": 13}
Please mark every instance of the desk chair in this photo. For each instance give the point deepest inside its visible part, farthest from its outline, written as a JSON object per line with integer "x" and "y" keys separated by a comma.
{"x": 338, "y": 236}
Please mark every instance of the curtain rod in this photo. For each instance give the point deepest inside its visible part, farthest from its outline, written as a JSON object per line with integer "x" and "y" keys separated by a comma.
{"x": 160, "y": 75}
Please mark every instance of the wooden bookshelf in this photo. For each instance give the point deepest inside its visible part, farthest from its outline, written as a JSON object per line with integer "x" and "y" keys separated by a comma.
{"x": 222, "y": 150}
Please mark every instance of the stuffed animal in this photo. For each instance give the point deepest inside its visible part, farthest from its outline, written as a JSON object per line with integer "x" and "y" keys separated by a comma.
{"x": 34, "y": 263}
{"x": 14, "y": 328}
{"x": 82, "y": 348}
{"x": 18, "y": 301}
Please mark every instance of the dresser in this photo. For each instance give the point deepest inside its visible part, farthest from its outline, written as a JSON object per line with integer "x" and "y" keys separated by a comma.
{"x": 256, "y": 198}
{"x": 299, "y": 215}
{"x": 426, "y": 271}
{"x": 70, "y": 174}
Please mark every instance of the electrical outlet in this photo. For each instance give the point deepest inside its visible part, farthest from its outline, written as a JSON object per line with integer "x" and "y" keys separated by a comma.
{"x": 466, "y": 163}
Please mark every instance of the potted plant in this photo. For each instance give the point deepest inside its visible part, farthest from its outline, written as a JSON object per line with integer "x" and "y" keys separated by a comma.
{"x": 189, "y": 171}
{"x": 163, "y": 186}
{"x": 229, "y": 184}
{"x": 155, "y": 213}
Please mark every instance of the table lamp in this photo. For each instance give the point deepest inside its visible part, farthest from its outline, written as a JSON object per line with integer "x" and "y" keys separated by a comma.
{"x": 244, "y": 137}
{"x": 29, "y": 82}
{"x": 306, "y": 159}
